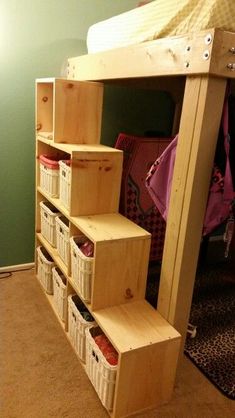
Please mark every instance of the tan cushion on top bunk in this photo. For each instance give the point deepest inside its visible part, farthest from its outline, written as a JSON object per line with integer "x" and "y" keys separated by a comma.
{"x": 159, "y": 19}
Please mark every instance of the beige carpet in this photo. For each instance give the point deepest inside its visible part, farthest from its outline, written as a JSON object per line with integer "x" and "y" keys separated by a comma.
{"x": 41, "y": 377}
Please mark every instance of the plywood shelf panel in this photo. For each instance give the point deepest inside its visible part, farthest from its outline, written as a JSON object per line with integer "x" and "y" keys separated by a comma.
{"x": 134, "y": 325}
{"x": 109, "y": 227}
{"x": 78, "y": 150}
{"x": 103, "y": 227}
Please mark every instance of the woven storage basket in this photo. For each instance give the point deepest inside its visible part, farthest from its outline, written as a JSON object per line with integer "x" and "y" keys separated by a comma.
{"x": 59, "y": 292}
{"x": 99, "y": 371}
{"x": 48, "y": 215}
{"x": 82, "y": 267}
{"x": 65, "y": 183}
{"x": 45, "y": 264}
{"x": 49, "y": 175}
{"x": 77, "y": 325}
{"x": 62, "y": 238}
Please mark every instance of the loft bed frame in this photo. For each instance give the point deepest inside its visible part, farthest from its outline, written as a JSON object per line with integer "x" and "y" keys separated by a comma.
{"x": 194, "y": 69}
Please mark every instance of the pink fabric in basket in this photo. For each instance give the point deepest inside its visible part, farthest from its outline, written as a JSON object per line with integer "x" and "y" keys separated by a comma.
{"x": 50, "y": 162}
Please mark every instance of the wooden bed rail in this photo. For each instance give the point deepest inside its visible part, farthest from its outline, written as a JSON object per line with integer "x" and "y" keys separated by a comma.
{"x": 207, "y": 52}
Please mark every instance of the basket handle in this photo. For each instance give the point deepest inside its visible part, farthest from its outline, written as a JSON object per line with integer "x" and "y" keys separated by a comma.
{"x": 95, "y": 356}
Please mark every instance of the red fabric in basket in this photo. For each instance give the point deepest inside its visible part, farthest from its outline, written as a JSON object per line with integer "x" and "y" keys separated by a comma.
{"x": 87, "y": 248}
{"x": 107, "y": 349}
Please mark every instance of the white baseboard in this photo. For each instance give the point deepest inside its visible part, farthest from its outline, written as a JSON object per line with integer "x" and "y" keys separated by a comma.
{"x": 17, "y": 267}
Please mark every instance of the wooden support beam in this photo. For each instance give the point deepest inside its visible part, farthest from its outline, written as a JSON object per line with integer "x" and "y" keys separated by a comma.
{"x": 177, "y": 55}
{"x": 207, "y": 52}
{"x": 200, "y": 120}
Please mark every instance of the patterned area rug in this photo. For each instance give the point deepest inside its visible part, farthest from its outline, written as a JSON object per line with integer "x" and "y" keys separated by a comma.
{"x": 213, "y": 312}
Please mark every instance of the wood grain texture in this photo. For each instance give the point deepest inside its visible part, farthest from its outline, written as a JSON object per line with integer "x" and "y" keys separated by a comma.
{"x": 199, "y": 127}
{"x": 69, "y": 111}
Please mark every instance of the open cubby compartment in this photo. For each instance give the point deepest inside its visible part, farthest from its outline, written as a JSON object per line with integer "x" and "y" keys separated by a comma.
{"x": 121, "y": 256}
{"x": 59, "y": 292}
{"x": 100, "y": 371}
{"x": 47, "y": 169}
{"x": 44, "y": 108}
{"x": 62, "y": 238}
{"x": 88, "y": 177}
{"x": 49, "y": 174}
{"x": 148, "y": 349}
{"x": 48, "y": 214}
{"x": 79, "y": 318}
{"x": 54, "y": 255}
{"x": 95, "y": 173}
{"x": 69, "y": 111}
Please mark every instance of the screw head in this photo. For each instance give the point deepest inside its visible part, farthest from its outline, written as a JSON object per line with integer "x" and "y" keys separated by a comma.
{"x": 206, "y": 55}
{"x": 208, "y": 39}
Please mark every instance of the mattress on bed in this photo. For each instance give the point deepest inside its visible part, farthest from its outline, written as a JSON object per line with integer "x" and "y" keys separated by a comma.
{"x": 159, "y": 19}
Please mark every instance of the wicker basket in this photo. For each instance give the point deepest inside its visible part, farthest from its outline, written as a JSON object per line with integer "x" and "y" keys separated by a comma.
{"x": 45, "y": 264}
{"x": 62, "y": 238}
{"x": 48, "y": 215}
{"x": 82, "y": 267}
{"x": 101, "y": 374}
{"x": 49, "y": 175}
{"x": 65, "y": 182}
{"x": 59, "y": 292}
{"x": 77, "y": 324}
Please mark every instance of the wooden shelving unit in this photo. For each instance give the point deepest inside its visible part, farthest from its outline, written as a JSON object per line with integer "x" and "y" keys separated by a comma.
{"x": 147, "y": 345}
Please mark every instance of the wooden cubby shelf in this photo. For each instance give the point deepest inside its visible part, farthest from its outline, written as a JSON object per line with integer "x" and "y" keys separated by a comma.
{"x": 121, "y": 252}
{"x": 68, "y": 111}
{"x": 53, "y": 253}
{"x": 95, "y": 176}
{"x": 148, "y": 351}
{"x": 68, "y": 124}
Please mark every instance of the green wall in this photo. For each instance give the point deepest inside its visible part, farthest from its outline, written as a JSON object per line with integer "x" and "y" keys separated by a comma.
{"x": 135, "y": 111}
{"x": 36, "y": 38}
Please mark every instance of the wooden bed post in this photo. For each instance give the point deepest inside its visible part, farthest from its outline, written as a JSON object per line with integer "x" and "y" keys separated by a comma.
{"x": 199, "y": 126}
